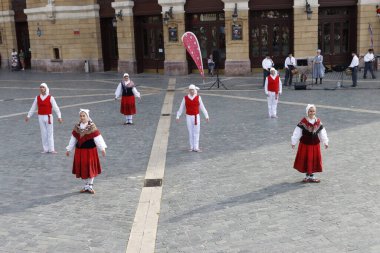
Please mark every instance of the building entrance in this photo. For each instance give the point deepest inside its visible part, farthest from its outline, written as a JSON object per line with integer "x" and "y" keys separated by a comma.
{"x": 150, "y": 53}
{"x": 337, "y": 34}
{"x": 270, "y": 33}
{"x": 210, "y": 31}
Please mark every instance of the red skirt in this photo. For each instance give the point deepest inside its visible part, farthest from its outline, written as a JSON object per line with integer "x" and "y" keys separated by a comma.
{"x": 308, "y": 158}
{"x": 128, "y": 105}
{"x": 86, "y": 163}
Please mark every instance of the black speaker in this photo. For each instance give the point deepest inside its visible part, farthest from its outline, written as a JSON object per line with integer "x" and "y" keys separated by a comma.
{"x": 216, "y": 57}
{"x": 300, "y": 86}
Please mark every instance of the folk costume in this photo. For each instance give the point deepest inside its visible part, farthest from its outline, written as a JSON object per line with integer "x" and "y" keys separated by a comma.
{"x": 309, "y": 132}
{"x": 193, "y": 103}
{"x": 127, "y": 90}
{"x": 318, "y": 67}
{"x": 273, "y": 88}
{"x": 86, "y": 138}
{"x": 45, "y": 104}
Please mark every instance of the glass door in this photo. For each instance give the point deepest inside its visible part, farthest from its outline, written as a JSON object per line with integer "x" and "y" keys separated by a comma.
{"x": 150, "y": 43}
{"x": 270, "y": 34}
{"x": 210, "y": 31}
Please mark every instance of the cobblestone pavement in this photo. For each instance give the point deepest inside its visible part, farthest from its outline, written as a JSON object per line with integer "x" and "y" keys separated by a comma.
{"x": 239, "y": 195}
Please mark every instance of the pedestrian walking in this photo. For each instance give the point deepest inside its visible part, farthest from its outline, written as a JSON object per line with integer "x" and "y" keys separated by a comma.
{"x": 290, "y": 64}
{"x": 45, "y": 103}
{"x": 192, "y": 103}
{"x": 273, "y": 88}
{"x": 211, "y": 65}
{"x": 127, "y": 91}
{"x": 267, "y": 64}
{"x": 369, "y": 58}
{"x": 318, "y": 67}
{"x": 354, "y": 69}
{"x": 21, "y": 55}
{"x": 309, "y": 133}
{"x": 86, "y": 137}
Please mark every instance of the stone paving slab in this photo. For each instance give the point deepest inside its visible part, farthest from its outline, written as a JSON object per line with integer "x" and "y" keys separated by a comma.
{"x": 240, "y": 195}
{"x": 41, "y": 209}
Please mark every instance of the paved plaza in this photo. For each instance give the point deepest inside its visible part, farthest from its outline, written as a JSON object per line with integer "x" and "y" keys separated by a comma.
{"x": 240, "y": 194}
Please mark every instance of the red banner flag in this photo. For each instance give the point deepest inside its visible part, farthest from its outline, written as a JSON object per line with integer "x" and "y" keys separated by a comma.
{"x": 190, "y": 42}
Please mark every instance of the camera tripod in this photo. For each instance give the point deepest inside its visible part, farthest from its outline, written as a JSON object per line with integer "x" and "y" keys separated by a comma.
{"x": 217, "y": 82}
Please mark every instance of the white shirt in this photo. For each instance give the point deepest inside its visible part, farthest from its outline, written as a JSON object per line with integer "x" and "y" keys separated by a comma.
{"x": 290, "y": 61}
{"x": 297, "y": 134}
{"x": 354, "y": 62}
{"x": 267, "y": 63}
{"x": 99, "y": 141}
{"x": 119, "y": 91}
{"x": 266, "y": 84}
{"x": 182, "y": 106}
{"x": 52, "y": 101}
{"x": 368, "y": 57}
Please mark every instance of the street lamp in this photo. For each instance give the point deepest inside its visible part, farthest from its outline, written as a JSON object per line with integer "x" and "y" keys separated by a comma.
{"x": 308, "y": 10}
{"x": 235, "y": 14}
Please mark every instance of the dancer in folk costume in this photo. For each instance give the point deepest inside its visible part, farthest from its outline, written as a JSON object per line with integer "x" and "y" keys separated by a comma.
{"x": 273, "y": 88}
{"x": 86, "y": 138}
{"x": 45, "y": 103}
{"x": 192, "y": 102}
{"x": 127, "y": 90}
{"x": 309, "y": 132}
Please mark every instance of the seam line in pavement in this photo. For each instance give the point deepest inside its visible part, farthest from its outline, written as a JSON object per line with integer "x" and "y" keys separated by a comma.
{"x": 296, "y": 103}
{"x": 68, "y": 106}
{"x": 143, "y": 234}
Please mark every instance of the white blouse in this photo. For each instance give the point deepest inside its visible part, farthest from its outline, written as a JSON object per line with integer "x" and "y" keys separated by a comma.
{"x": 99, "y": 141}
{"x": 297, "y": 134}
{"x": 119, "y": 91}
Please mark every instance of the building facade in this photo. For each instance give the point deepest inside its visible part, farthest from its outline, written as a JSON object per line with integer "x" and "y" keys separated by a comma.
{"x": 145, "y": 35}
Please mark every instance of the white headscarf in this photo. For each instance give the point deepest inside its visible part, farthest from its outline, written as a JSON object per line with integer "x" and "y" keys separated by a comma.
{"x": 308, "y": 108}
{"x": 193, "y": 87}
{"x": 275, "y": 72}
{"x": 46, "y": 87}
{"x": 87, "y": 112}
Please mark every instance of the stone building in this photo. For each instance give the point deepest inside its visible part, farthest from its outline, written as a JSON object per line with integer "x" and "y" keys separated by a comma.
{"x": 145, "y": 35}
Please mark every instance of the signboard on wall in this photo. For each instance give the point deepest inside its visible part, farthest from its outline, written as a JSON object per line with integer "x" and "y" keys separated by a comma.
{"x": 237, "y": 33}
{"x": 173, "y": 33}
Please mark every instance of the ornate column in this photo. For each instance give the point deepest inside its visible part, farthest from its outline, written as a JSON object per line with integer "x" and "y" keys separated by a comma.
{"x": 237, "y": 38}
{"x": 63, "y": 34}
{"x": 305, "y": 30}
{"x": 126, "y": 36}
{"x": 7, "y": 32}
{"x": 367, "y": 16}
{"x": 175, "y": 54}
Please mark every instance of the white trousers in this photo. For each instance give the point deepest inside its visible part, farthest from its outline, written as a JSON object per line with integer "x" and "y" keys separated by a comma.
{"x": 194, "y": 131}
{"x": 47, "y": 135}
{"x": 272, "y": 103}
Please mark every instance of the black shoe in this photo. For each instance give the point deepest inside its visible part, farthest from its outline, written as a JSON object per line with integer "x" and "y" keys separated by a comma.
{"x": 364, "y": 77}
{"x": 374, "y": 77}
{"x": 353, "y": 85}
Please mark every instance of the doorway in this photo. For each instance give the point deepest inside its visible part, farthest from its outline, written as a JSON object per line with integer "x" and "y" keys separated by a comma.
{"x": 22, "y": 36}
{"x": 337, "y": 34}
{"x": 209, "y": 28}
{"x": 110, "y": 51}
{"x": 270, "y": 33}
{"x": 150, "y": 53}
